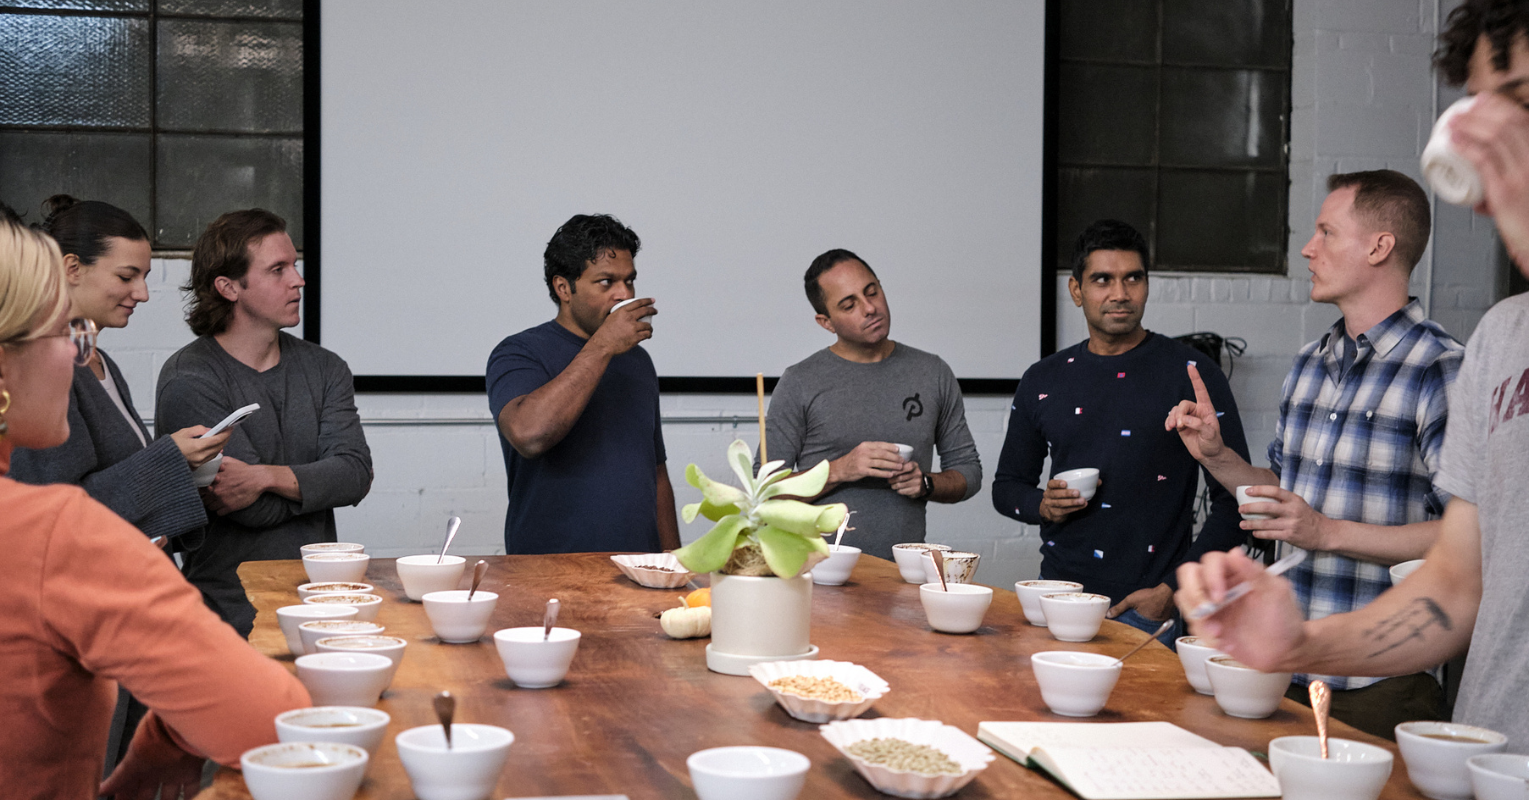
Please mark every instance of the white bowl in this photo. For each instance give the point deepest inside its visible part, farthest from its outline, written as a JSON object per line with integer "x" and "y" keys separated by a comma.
{"x": 290, "y": 617}
{"x": 366, "y": 605}
{"x": 1437, "y": 766}
{"x": 467, "y": 771}
{"x": 311, "y": 631}
{"x": 203, "y": 476}
{"x": 747, "y": 773}
{"x": 1499, "y": 776}
{"x": 1193, "y": 655}
{"x": 955, "y": 608}
{"x": 654, "y": 570}
{"x": 308, "y": 590}
{"x": 389, "y": 647}
{"x": 534, "y": 662}
{"x": 1085, "y": 480}
{"x": 1244, "y": 692}
{"x": 1245, "y": 499}
{"x": 457, "y": 620}
{"x": 421, "y": 575}
{"x": 332, "y": 547}
{"x": 835, "y": 571}
{"x": 327, "y": 567}
{"x": 304, "y": 771}
{"x": 1402, "y": 570}
{"x": 1352, "y": 771}
{"x": 908, "y": 556}
{"x": 354, "y": 725}
{"x": 1074, "y": 616}
{"x": 344, "y": 679}
{"x": 1029, "y": 593}
{"x": 972, "y": 755}
{"x": 866, "y": 683}
{"x": 1075, "y": 684}
{"x": 960, "y": 566}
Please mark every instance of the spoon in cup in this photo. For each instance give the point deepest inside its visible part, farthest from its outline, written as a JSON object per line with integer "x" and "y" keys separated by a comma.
{"x": 1321, "y": 704}
{"x": 939, "y": 568}
{"x": 445, "y": 708}
{"x": 549, "y": 619}
{"x": 479, "y": 570}
{"x": 1161, "y": 629}
{"x": 451, "y": 533}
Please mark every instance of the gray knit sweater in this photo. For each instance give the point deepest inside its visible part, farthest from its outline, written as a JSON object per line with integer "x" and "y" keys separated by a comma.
{"x": 148, "y": 486}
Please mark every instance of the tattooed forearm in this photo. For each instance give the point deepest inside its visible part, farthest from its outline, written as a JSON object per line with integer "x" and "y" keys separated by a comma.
{"x": 1407, "y": 625}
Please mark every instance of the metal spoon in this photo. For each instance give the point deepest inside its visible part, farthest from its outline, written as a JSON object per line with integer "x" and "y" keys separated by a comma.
{"x": 451, "y": 533}
{"x": 445, "y": 708}
{"x": 549, "y": 619}
{"x": 479, "y": 570}
{"x": 939, "y": 568}
{"x": 1161, "y": 629}
{"x": 1321, "y": 703}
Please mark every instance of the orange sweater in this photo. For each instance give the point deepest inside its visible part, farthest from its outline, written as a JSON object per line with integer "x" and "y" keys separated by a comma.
{"x": 86, "y": 602}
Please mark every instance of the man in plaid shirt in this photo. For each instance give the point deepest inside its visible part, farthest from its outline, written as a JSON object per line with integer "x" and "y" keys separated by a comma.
{"x": 1360, "y": 431}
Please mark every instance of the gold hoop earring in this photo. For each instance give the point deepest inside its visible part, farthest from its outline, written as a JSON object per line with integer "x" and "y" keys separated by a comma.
{"x": 5, "y": 405}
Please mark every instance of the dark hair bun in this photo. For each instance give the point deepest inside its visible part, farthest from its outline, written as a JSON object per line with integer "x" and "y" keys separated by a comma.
{"x": 55, "y": 205}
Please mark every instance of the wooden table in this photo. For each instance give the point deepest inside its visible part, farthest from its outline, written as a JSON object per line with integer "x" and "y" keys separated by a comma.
{"x": 636, "y": 703}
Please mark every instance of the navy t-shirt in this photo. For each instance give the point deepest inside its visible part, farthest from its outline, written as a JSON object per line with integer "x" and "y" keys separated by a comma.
{"x": 597, "y": 489}
{"x": 1107, "y": 412}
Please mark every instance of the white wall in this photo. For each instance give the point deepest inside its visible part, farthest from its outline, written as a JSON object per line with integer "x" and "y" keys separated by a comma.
{"x": 1364, "y": 98}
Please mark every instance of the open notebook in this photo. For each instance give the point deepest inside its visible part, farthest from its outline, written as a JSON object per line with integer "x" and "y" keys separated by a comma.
{"x": 1131, "y": 760}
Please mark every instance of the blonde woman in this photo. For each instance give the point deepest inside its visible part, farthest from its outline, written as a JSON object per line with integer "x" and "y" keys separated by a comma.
{"x": 86, "y": 601}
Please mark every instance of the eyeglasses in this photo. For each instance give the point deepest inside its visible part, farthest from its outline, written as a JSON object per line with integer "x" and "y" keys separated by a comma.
{"x": 82, "y": 334}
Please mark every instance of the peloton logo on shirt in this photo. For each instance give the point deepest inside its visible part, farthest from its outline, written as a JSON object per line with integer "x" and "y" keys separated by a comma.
{"x": 914, "y": 406}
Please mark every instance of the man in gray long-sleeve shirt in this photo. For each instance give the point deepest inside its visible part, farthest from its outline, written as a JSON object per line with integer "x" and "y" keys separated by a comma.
{"x": 856, "y": 400}
{"x": 288, "y": 465}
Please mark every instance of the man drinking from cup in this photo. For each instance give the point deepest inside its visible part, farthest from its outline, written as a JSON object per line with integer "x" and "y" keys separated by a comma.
{"x": 1356, "y": 448}
{"x": 1470, "y": 590}
{"x": 1094, "y": 406}
{"x": 877, "y": 409}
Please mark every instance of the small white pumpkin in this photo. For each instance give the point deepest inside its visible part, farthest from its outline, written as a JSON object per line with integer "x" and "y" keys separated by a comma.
{"x": 686, "y": 623}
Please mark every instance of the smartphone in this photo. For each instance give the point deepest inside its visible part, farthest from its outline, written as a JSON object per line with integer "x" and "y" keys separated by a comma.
{"x": 231, "y": 420}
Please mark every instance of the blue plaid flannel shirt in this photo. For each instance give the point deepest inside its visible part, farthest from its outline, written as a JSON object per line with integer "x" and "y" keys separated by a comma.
{"x": 1364, "y": 447}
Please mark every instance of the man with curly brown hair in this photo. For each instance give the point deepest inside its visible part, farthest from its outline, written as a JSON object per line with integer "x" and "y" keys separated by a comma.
{"x": 1470, "y": 591}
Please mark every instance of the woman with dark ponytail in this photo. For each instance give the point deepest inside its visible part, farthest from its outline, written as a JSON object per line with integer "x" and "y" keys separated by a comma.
{"x": 147, "y": 481}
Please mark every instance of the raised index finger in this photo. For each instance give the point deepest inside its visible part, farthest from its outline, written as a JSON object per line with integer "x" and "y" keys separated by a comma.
{"x": 1202, "y": 396}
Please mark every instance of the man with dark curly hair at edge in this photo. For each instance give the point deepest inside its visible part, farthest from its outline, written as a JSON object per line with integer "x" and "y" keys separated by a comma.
{"x": 1470, "y": 591}
{"x": 576, "y": 402}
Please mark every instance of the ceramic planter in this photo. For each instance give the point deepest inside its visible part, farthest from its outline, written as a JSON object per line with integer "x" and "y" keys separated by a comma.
{"x": 758, "y": 619}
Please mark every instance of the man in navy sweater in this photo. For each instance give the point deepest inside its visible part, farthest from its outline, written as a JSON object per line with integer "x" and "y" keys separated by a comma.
{"x": 1099, "y": 404}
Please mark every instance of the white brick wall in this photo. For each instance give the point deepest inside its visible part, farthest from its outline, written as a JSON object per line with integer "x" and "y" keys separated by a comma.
{"x": 1363, "y": 98}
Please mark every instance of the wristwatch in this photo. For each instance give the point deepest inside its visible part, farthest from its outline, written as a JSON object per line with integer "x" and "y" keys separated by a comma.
{"x": 928, "y": 486}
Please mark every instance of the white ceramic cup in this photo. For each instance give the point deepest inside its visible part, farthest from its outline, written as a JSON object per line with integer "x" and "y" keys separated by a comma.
{"x": 835, "y": 570}
{"x": 1030, "y": 592}
{"x": 648, "y": 318}
{"x": 457, "y": 620}
{"x": 421, "y": 575}
{"x": 1075, "y": 684}
{"x": 1453, "y": 177}
{"x": 304, "y": 771}
{"x": 747, "y": 773}
{"x": 311, "y": 631}
{"x": 1499, "y": 776}
{"x": 1242, "y": 691}
{"x": 905, "y": 452}
{"x": 1399, "y": 572}
{"x": 203, "y": 476}
{"x": 366, "y": 605}
{"x": 332, "y": 547}
{"x": 1074, "y": 616}
{"x": 308, "y": 590}
{"x": 354, "y": 725}
{"x": 389, "y": 647}
{"x": 960, "y": 566}
{"x": 958, "y": 610}
{"x": 533, "y": 662}
{"x": 289, "y": 617}
{"x": 1193, "y": 655}
{"x": 908, "y": 555}
{"x": 1435, "y": 754}
{"x": 1352, "y": 770}
{"x": 467, "y": 770}
{"x": 344, "y": 679}
{"x": 1085, "y": 480}
{"x": 326, "y": 567}
{"x": 1243, "y": 499}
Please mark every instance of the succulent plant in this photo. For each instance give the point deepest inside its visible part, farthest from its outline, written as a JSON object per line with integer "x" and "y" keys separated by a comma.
{"x": 757, "y": 522}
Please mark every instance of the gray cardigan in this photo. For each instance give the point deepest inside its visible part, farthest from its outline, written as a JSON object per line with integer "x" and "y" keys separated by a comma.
{"x": 148, "y": 486}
